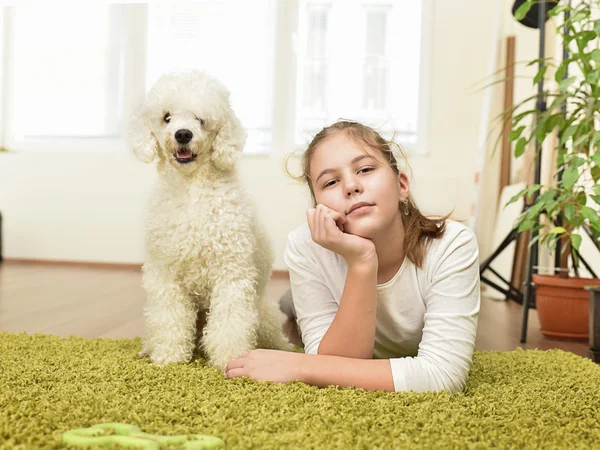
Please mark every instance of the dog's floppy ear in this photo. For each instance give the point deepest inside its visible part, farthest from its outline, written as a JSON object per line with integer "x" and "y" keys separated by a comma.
{"x": 229, "y": 142}
{"x": 142, "y": 140}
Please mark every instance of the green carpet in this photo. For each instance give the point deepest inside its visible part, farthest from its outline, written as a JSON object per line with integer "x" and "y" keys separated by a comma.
{"x": 520, "y": 399}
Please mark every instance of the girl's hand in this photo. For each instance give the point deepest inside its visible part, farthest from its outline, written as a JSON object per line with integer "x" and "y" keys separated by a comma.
{"x": 327, "y": 230}
{"x": 267, "y": 365}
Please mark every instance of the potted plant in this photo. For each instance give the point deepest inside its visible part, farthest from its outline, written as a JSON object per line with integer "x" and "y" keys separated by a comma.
{"x": 569, "y": 128}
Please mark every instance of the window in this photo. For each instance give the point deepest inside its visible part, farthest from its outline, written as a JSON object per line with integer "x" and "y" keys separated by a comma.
{"x": 232, "y": 40}
{"x": 292, "y": 67}
{"x": 61, "y": 87}
{"x": 349, "y": 53}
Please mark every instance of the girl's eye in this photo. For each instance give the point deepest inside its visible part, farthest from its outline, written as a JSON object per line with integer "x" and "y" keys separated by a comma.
{"x": 202, "y": 121}
{"x": 167, "y": 117}
{"x": 329, "y": 183}
{"x": 365, "y": 169}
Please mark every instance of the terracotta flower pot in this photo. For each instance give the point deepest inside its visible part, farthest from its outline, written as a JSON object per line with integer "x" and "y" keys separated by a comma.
{"x": 563, "y": 305}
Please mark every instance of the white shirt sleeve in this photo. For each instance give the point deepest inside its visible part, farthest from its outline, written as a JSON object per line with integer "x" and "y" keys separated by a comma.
{"x": 314, "y": 303}
{"x": 452, "y": 303}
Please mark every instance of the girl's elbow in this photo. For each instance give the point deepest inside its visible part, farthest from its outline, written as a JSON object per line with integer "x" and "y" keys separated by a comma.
{"x": 455, "y": 383}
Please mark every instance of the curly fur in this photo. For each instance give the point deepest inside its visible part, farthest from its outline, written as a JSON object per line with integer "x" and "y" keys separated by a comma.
{"x": 207, "y": 253}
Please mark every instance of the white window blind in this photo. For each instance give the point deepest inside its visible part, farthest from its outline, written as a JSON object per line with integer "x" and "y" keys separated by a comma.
{"x": 66, "y": 71}
{"x": 232, "y": 40}
{"x": 359, "y": 60}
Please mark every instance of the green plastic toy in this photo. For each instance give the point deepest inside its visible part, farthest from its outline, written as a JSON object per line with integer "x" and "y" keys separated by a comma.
{"x": 126, "y": 435}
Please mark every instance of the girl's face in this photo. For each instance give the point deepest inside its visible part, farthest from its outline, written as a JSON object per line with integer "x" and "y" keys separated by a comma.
{"x": 346, "y": 175}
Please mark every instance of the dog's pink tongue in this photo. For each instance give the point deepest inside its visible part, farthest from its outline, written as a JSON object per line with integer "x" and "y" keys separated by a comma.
{"x": 184, "y": 154}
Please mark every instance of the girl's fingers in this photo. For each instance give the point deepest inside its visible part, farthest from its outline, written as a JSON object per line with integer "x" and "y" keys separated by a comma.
{"x": 330, "y": 226}
{"x": 310, "y": 216}
{"x": 324, "y": 223}
{"x": 312, "y": 223}
{"x": 340, "y": 222}
{"x": 234, "y": 364}
{"x": 338, "y": 218}
{"x": 235, "y": 373}
{"x": 319, "y": 222}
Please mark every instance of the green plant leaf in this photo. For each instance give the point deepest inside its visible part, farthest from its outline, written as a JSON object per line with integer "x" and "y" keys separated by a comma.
{"x": 597, "y": 26}
{"x": 579, "y": 15}
{"x": 547, "y": 196}
{"x": 570, "y": 176}
{"x": 558, "y": 9}
{"x": 593, "y": 77}
{"x": 514, "y": 135}
{"x": 523, "y": 10}
{"x": 569, "y": 131}
{"x": 534, "y": 211}
{"x": 540, "y": 74}
{"x": 516, "y": 197}
{"x": 586, "y": 37}
{"x": 580, "y": 140}
{"x": 575, "y": 241}
{"x": 526, "y": 225}
{"x": 578, "y": 161}
{"x": 595, "y": 172}
{"x": 553, "y": 121}
{"x": 569, "y": 212}
{"x": 558, "y": 230}
{"x": 520, "y": 148}
{"x": 595, "y": 56}
{"x": 534, "y": 240}
{"x": 596, "y": 158}
{"x": 516, "y": 119}
{"x": 591, "y": 215}
{"x": 566, "y": 83}
{"x": 562, "y": 69}
{"x": 540, "y": 130}
{"x": 596, "y": 198}
{"x": 597, "y": 189}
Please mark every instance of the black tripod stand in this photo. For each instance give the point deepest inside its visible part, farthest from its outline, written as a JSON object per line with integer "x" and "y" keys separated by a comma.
{"x": 526, "y": 298}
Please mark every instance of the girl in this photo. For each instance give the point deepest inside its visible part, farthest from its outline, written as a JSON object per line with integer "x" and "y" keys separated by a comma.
{"x": 385, "y": 298}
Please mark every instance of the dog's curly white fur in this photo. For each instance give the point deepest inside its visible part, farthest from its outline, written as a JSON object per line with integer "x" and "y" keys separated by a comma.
{"x": 207, "y": 252}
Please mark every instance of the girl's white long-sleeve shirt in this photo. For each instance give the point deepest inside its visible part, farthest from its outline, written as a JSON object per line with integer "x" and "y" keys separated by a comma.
{"x": 426, "y": 318}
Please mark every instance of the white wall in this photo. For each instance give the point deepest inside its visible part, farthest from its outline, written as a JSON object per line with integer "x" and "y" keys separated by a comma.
{"x": 88, "y": 207}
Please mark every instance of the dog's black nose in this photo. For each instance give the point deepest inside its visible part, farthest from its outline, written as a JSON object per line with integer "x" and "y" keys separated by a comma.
{"x": 183, "y": 136}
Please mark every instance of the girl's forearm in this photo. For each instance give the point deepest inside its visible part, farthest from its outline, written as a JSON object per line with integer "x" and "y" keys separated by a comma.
{"x": 352, "y": 332}
{"x": 368, "y": 374}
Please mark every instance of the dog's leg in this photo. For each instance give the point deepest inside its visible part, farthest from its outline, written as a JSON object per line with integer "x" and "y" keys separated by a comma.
{"x": 170, "y": 321}
{"x": 232, "y": 322}
{"x": 270, "y": 331}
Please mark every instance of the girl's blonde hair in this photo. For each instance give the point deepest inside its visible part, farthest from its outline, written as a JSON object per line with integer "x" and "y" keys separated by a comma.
{"x": 419, "y": 230}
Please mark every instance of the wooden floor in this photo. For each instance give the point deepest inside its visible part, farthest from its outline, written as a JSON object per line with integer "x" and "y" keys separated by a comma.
{"x": 108, "y": 302}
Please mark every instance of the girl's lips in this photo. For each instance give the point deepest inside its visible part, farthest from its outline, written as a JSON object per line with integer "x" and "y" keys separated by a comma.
{"x": 360, "y": 210}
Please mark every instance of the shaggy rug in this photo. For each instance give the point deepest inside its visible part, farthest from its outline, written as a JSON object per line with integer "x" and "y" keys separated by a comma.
{"x": 519, "y": 399}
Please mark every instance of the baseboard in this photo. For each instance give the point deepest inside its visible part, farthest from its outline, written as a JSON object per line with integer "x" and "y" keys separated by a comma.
{"x": 278, "y": 274}
{"x": 91, "y": 264}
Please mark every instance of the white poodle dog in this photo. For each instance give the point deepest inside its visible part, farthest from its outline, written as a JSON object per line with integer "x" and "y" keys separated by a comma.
{"x": 207, "y": 254}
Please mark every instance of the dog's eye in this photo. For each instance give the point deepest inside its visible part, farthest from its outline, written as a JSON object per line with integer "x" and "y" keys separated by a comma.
{"x": 167, "y": 117}
{"x": 202, "y": 121}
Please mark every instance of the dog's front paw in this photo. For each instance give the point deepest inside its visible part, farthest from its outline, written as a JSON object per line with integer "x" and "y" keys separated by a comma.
{"x": 219, "y": 363}
{"x": 144, "y": 353}
{"x": 163, "y": 358}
